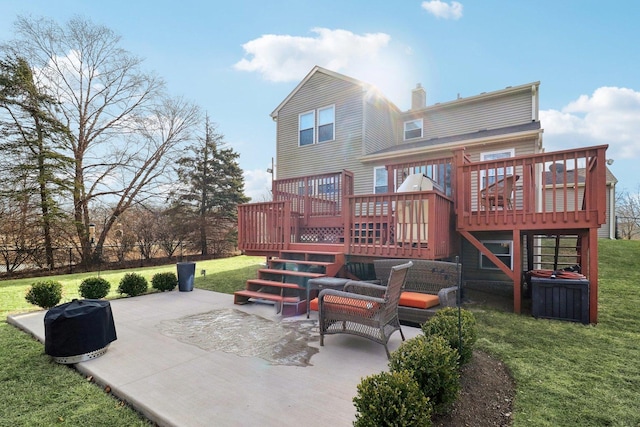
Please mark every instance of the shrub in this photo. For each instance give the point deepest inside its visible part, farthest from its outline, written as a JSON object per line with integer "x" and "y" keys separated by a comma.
{"x": 391, "y": 398}
{"x": 445, "y": 324}
{"x": 133, "y": 284}
{"x": 434, "y": 366}
{"x": 94, "y": 288}
{"x": 164, "y": 281}
{"x": 45, "y": 294}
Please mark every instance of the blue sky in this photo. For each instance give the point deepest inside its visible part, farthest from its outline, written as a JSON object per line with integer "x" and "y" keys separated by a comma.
{"x": 239, "y": 59}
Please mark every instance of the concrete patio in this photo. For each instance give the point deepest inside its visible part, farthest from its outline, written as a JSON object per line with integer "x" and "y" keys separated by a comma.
{"x": 175, "y": 383}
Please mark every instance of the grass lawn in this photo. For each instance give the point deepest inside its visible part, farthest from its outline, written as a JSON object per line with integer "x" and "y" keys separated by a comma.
{"x": 566, "y": 374}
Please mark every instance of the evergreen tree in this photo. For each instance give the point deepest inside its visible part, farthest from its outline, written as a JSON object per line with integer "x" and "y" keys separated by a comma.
{"x": 30, "y": 138}
{"x": 212, "y": 186}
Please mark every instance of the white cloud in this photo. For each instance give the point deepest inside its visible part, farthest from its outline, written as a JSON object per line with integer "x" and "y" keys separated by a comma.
{"x": 611, "y": 115}
{"x": 257, "y": 185}
{"x": 443, "y": 10}
{"x": 282, "y": 58}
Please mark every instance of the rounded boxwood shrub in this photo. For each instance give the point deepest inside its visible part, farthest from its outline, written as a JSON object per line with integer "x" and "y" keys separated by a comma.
{"x": 445, "y": 324}
{"x": 391, "y": 399}
{"x": 164, "y": 281}
{"x": 94, "y": 288}
{"x": 434, "y": 366}
{"x": 133, "y": 284}
{"x": 45, "y": 294}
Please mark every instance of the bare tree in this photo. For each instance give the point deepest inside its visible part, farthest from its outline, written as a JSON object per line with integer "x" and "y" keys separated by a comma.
{"x": 628, "y": 214}
{"x": 124, "y": 130}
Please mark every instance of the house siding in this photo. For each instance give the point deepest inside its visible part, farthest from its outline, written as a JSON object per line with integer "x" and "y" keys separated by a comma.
{"x": 321, "y": 90}
{"x": 456, "y": 119}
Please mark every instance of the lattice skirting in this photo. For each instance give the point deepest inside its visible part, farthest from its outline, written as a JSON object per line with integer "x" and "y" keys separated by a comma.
{"x": 321, "y": 235}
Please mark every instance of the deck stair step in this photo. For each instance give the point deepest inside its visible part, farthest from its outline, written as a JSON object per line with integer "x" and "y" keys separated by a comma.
{"x": 252, "y": 283}
{"x": 290, "y": 273}
{"x": 284, "y": 281}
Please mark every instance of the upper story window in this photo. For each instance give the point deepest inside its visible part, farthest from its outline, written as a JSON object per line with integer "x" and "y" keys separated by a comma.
{"x": 413, "y": 129}
{"x": 311, "y": 131}
{"x": 326, "y": 118}
{"x": 306, "y": 126}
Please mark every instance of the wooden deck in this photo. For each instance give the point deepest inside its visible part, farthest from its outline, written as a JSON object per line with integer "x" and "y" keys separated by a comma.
{"x": 560, "y": 192}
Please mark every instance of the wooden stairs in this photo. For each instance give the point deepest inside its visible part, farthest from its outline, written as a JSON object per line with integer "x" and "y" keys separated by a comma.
{"x": 284, "y": 280}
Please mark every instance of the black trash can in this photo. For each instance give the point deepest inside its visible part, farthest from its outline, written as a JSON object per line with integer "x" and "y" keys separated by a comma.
{"x": 561, "y": 299}
{"x": 79, "y": 330}
{"x": 186, "y": 276}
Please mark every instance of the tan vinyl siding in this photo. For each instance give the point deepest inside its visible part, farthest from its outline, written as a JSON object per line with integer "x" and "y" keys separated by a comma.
{"x": 320, "y": 91}
{"x": 453, "y": 119}
{"x": 379, "y": 124}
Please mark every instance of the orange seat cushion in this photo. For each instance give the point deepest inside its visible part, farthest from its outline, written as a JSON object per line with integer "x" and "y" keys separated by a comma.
{"x": 348, "y": 305}
{"x": 418, "y": 300}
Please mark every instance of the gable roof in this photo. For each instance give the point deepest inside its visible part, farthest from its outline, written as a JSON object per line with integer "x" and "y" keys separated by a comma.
{"x": 318, "y": 69}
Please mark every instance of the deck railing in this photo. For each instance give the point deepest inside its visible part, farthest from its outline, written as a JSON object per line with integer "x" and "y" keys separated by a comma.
{"x": 412, "y": 225}
{"x": 268, "y": 226}
{"x": 560, "y": 189}
{"x": 315, "y": 195}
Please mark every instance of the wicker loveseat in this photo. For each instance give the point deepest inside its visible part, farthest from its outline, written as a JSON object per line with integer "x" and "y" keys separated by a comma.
{"x": 429, "y": 285}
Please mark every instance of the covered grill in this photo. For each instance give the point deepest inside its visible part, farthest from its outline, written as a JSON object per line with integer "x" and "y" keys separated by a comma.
{"x": 79, "y": 330}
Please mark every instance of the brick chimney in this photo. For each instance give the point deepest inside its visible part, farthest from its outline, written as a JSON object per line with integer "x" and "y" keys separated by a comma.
{"x": 418, "y": 97}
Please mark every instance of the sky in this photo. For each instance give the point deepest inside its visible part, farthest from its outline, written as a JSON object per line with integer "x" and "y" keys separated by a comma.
{"x": 239, "y": 59}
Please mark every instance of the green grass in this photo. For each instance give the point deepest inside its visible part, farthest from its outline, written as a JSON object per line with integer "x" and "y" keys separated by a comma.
{"x": 569, "y": 374}
{"x": 37, "y": 391}
{"x": 566, "y": 374}
{"x": 222, "y": 275}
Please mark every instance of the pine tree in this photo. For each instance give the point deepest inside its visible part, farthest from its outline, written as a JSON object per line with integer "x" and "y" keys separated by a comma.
{"x": 30, "y": 138}
{"x": 212, "y": 186}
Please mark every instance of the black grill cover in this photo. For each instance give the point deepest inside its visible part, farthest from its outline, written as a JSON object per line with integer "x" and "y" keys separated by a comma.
{"x": 78, "y": 327}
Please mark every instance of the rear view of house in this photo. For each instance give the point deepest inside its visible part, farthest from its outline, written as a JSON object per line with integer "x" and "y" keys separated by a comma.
{"x": 469, "y": 178}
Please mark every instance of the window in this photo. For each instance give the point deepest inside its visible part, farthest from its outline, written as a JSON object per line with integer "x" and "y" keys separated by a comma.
{"x": 311, "y": 132}
{"x": 325, "y": 124}
{"x": 502, "y": 249}
{"x": 380, "y": 180}
{"x": 307, "y": 128}
{"x": 496, "y": 174}
{"x": 413, "y": 129}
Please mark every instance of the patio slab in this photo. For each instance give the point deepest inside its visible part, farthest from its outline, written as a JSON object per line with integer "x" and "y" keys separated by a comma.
{"x": 174, "y": 383}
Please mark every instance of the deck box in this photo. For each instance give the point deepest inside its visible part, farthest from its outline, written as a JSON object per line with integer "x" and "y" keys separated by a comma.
{"x": 562, "y": 299}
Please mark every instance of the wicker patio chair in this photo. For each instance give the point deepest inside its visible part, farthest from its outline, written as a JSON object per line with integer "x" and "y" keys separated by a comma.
{"x": 364, "y": 309}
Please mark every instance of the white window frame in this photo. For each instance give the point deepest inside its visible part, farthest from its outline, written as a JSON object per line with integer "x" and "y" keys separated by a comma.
{"x": 375, "y": 175}
{"x": 418, "y": 121}
{"x": 496, "y": 155}
{"x": 313, "y": 127}
{"x": 332, "y": 123}
{"x": 483, "y": 259}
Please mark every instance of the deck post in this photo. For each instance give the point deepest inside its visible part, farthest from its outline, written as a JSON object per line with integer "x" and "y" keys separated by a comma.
{"x": 517, "y": 271}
